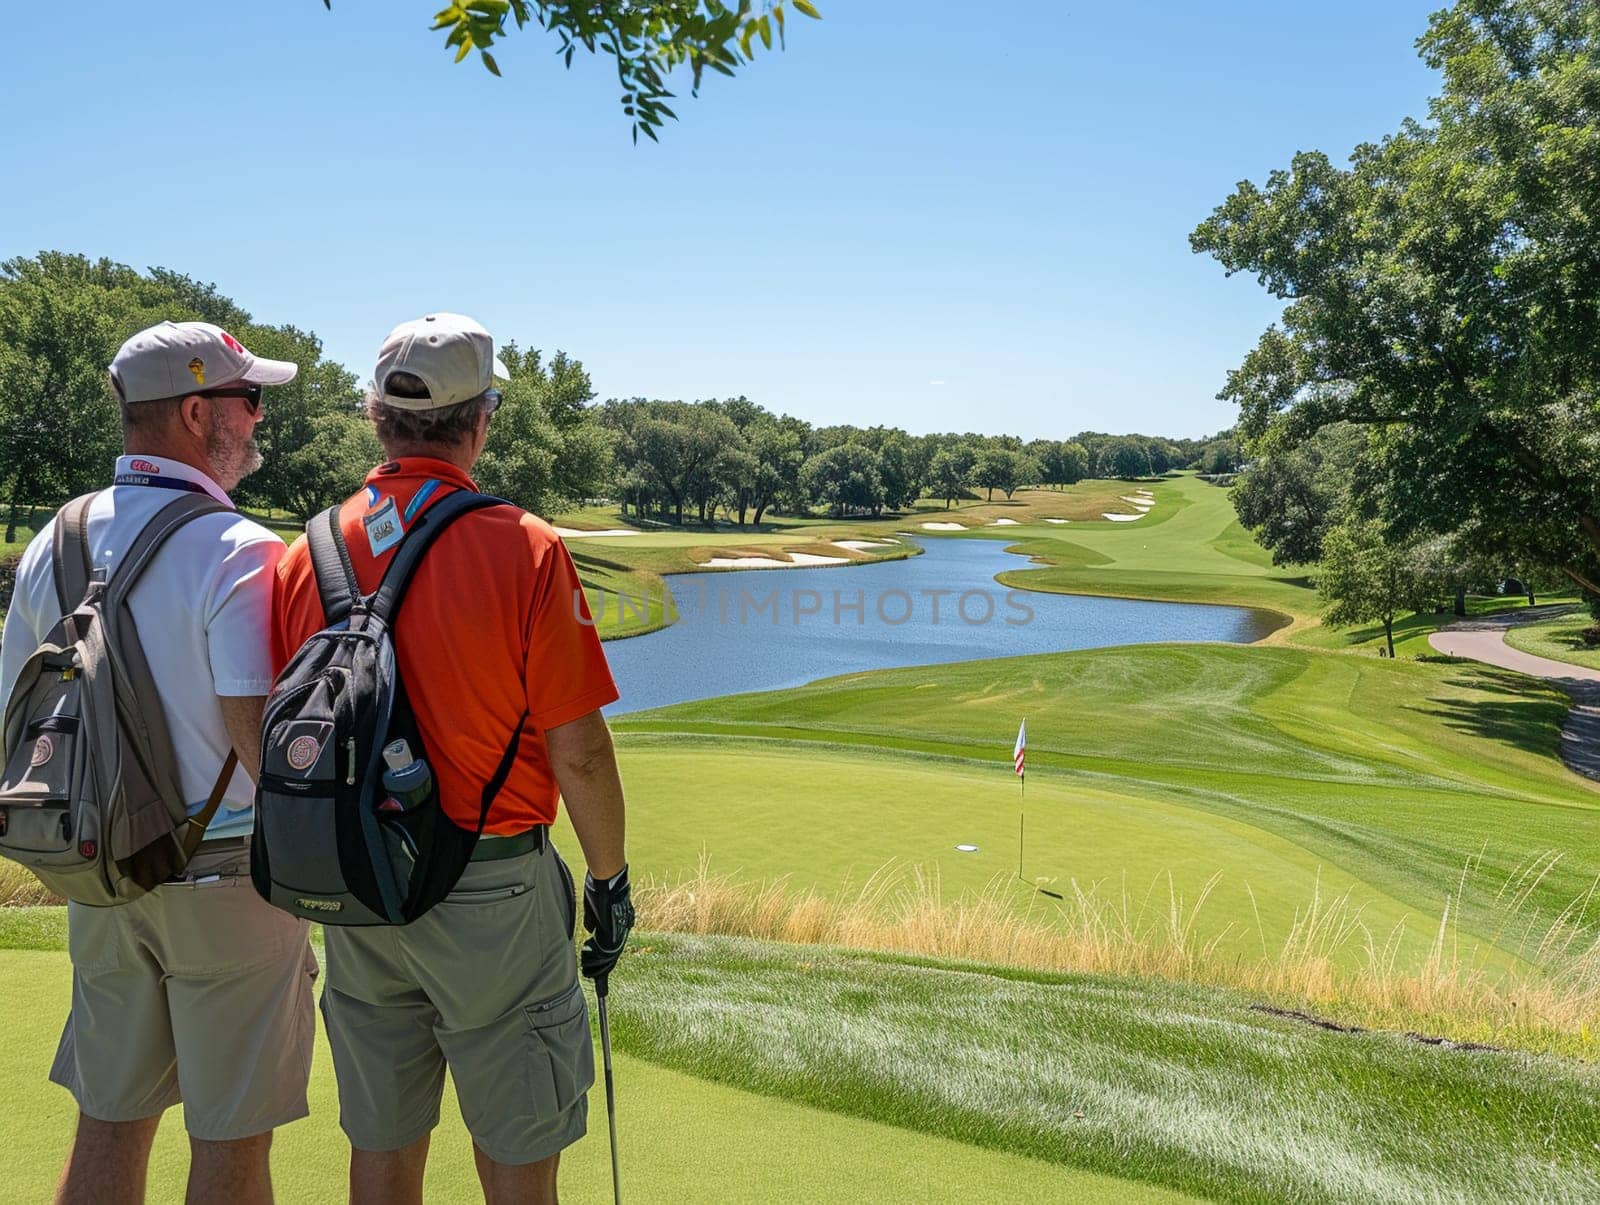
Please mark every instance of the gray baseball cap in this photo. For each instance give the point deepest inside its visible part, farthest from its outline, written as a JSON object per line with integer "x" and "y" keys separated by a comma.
{"x": 450, "y": 353}
{"x": 174, "y": 359}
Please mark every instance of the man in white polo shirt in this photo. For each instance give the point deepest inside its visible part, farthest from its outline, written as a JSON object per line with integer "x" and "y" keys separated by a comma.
{"x": 199, "y": 991}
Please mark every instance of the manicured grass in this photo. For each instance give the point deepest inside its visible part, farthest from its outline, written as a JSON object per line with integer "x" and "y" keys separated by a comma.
{"x": 1260, "y": 763}
{"x": 1181, "y": 1087}
{"x": 681, "y": 1138}
{"x": 1559, "y": 638}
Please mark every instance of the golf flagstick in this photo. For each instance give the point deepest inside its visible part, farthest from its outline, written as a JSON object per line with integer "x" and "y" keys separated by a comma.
{"x": 1019, "y": 756}
{"x": 602, "y": 985}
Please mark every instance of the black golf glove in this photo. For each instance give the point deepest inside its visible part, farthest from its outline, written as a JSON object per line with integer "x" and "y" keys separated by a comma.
{"x": 607, "y": 915}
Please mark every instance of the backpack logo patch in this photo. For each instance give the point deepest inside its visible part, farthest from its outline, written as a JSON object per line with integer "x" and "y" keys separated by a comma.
{"x": 303, "y": 751}
{"x": 320, "y": 905}
{"x": 43, "y": 750}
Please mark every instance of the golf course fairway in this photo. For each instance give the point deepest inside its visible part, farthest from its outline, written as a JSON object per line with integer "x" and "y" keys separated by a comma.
{"x": 682, "y": 1138}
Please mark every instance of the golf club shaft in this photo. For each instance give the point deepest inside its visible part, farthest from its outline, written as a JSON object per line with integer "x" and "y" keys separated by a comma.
{"x": 601, "y": 987}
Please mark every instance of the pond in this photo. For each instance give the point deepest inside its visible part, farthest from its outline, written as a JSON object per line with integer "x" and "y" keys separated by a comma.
{"x": 766, "y": 629}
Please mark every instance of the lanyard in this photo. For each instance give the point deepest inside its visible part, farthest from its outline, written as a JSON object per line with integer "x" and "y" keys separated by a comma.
{"x": 165, "y": 483}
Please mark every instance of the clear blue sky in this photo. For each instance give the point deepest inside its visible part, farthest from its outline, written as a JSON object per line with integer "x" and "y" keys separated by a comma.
{"x": 915, "y": 216}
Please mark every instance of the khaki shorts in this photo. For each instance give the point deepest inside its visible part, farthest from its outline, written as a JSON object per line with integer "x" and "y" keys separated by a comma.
{"x": 196, "y": 992}
{"x": 485, "y": 983}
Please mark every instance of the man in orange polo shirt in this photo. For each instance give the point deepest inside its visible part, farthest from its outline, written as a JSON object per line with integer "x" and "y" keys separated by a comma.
{"x": 494, "y": 628}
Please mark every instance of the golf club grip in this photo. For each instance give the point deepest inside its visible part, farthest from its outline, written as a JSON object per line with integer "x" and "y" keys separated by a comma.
{"x": 602, "y": 984}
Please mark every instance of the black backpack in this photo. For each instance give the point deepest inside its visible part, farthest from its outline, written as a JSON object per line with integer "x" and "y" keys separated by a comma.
{"x": 331, "y": 842}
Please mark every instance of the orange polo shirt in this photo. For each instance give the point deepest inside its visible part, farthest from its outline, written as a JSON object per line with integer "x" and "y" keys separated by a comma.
{"x": 493, "y": 623}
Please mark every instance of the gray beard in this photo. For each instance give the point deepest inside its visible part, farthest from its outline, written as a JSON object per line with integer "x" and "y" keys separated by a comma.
{"x": 232, "y": 458}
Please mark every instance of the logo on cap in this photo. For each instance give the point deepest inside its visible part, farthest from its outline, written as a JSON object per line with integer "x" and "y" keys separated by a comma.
{"x": 198, "y": 367}
{"x": 233, "y": 344}
{"x": 303, "y": 752}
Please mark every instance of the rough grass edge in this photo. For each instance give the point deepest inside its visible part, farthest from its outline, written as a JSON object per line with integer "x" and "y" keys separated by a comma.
{"x": 1550, "y": 1005}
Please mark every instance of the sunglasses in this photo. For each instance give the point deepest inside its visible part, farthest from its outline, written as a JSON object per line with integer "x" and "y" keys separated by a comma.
{"x": 491, "y": 400}
{"x": 250, "y": 393}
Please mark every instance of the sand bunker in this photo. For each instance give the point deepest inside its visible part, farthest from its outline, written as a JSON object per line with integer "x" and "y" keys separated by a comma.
{"x": 1004, "y": 523}
{"x": 863, "y": 545}
{"x": 945, "y": 526}
{"x": 1058, "y": 520}
{"x": 573, "y": 533}
{"x": 1122, "y": 518}
{"x": 795, "y": 560}
{"x": 1140, "y": 501}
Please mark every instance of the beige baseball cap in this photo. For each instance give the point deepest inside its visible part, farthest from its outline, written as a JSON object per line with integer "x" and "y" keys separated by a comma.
{"x": 174, "y": 359}
{"x": 450, "y": 353}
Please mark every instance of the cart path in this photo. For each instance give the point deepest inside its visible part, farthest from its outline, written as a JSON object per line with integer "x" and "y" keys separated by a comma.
{"x": 1484, "y": 639}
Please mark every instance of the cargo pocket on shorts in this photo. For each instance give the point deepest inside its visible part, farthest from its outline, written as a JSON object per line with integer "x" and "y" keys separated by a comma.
{"x": 561, "y": 1055}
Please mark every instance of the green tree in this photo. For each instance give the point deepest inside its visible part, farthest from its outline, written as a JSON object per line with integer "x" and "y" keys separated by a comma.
{"x": 546, "y": 448}
{"x": 1440, "y": 289}
{"x": 897, "y": 472}
{"x": 1220, "y": 456}
{"x": 62, "y": 318}
{"x": 645, "y": 40}
{"x": 844, "y": 478}
{"x": 1124, "y": 456}
{"x": 1365, "y": 577}
{"x": 1002, "y": 469}
{"x": 949, "y": 471}
{"x": 1290, "y": 496}
{"x": 674, "y": 446}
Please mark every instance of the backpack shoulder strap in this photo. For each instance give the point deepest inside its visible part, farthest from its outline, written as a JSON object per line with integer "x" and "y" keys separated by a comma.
{"x": 70, "y": 560}
{"x": 168, "y": 520}
{"x": 424, "y": 531}
{"x": 331, "y": 566}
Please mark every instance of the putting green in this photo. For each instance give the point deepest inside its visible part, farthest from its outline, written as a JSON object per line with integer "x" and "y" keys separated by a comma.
{"x": 681, "y": 1139}
{"x": 829, "y": 818}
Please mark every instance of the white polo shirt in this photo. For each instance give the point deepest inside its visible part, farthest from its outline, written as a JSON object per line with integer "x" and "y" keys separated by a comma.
{"x": 203, "y": 610}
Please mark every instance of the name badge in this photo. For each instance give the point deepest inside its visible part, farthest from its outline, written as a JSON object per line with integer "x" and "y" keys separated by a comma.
{"x": 383, "y": 528}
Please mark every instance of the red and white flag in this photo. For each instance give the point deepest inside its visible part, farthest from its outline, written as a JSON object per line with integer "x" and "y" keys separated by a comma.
{"x": 1020, "y": 753}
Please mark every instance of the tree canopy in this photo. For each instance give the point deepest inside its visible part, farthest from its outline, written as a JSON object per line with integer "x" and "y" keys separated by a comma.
{"x": 1443, "y": 291}
{"x": 646, "y": 40}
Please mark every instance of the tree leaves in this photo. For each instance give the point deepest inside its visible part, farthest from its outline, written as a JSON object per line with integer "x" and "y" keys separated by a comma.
{"x": 648, "y": 40}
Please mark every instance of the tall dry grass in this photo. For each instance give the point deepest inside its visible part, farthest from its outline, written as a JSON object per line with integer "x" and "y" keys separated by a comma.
{"x": 19, "y": 889}
{"x": 1330, "y": 961}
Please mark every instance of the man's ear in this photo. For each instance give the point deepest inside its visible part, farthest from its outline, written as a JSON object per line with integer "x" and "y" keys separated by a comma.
{"x": 193, "y": 412}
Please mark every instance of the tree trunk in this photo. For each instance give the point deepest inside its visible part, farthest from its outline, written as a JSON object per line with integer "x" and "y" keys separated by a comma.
{"x": 1531, "y": 601}
{"x": 11, "y": 519}
{"x": 760, "y": 510}
{"x": 990, "y": 498}
{"x": 1461, "y": 602}
{"x": 1388, "y": 633}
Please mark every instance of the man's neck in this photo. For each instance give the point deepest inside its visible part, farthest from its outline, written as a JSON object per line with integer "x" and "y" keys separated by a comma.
{"x": 461, "y": 456}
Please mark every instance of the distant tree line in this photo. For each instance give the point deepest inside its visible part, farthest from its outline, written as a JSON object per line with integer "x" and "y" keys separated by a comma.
{"x": 551, "y": 446}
